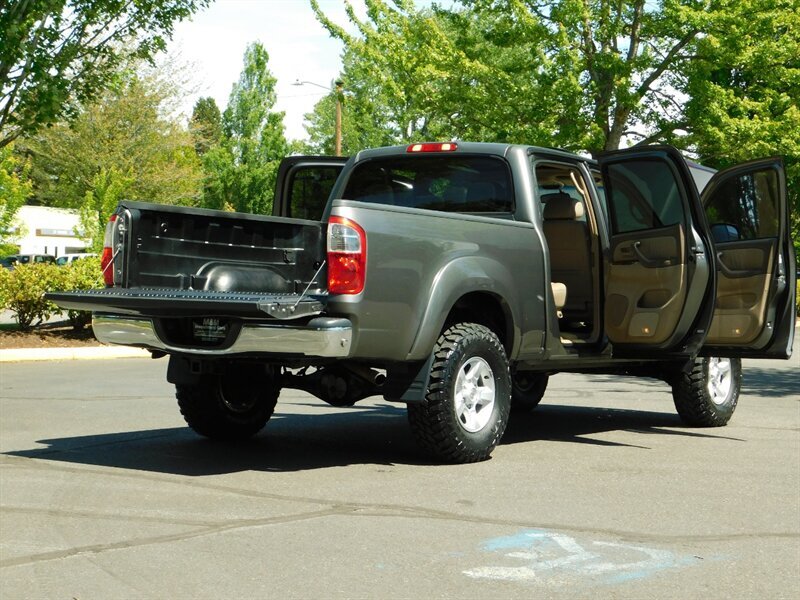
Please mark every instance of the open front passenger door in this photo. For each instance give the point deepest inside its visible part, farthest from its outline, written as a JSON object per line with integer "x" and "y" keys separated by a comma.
{"x": 659, "y": 273}
{"x": 747, "y": 212}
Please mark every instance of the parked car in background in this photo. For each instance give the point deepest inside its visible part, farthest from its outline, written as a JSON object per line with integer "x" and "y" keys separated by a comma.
{"x": 24, "y": 259}
{"x": 8, "y": 262}
{"x": 66, "y": 259}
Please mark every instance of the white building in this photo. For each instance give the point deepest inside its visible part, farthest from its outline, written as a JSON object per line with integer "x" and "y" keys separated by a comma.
{"x": 46, "y": 230}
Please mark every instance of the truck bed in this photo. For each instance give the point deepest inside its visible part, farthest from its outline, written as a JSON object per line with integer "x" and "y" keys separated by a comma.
{"x": 196, "y": 262}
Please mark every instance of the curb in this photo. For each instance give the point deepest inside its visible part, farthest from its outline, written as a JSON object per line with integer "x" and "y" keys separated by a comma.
{"x": 75, "y": 353}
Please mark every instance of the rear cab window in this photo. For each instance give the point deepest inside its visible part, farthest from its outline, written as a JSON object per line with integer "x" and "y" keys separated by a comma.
{"x": 453, "y": 183}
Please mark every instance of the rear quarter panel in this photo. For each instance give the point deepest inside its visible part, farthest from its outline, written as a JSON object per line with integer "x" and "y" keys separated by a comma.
{"x": 420, "y": 262}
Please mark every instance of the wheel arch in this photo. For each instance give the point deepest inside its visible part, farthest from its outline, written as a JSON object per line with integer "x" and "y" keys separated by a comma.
{"x": 474, "y": 290}
{"x": 484, "y": 309}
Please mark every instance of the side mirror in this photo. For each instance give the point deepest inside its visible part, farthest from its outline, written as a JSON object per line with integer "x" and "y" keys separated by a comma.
{"x": 725, "y": 232}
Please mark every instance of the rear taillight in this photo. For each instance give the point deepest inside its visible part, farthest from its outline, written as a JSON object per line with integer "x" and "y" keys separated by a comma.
{"x": 107, "y": 258}
{"x": 347, "y": 256}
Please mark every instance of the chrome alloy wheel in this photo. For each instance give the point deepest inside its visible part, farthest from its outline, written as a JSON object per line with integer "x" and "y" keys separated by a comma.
{"x": 474, "y": 394}
{"x": 719, "y": 379}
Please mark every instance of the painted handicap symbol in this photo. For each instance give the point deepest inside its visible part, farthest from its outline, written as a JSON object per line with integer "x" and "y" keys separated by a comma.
{"x": 551, "y": 556}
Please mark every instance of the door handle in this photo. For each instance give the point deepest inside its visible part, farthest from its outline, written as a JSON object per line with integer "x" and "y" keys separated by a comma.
{"x": 645, "y": 261}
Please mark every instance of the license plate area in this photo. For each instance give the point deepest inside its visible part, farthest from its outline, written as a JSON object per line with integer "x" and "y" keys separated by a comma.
{"x": 198, "y": 332}
{"x": 210, "y": 330}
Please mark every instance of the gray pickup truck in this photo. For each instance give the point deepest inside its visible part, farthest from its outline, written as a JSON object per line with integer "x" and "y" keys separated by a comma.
{"x": 456, "y": 278}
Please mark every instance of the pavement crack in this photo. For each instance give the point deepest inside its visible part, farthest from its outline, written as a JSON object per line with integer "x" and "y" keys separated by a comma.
{"x": 85, "y": 514}
{"x": 175, "y": 537}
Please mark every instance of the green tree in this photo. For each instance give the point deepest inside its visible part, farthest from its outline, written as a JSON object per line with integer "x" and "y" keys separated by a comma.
{"x": 219, "y": 187}
{"x": 125, "y": 131}
{"x": 365, "y": 106}
{"x": 15, "y": 188}
{"x": 744, "y": 90}
{"x": 396, "y": 73}
{"x": 206, "y": 125}
{"x": 58, "y": 54}
{"x": 320, "y": 128}
{"x": 99, "y": 203}
{"x": 587, "y": 75}
{"x": 241, "y": 172}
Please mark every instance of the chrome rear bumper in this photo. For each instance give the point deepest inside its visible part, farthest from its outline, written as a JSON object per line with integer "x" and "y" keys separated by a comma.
{"x": 322, "y": 337}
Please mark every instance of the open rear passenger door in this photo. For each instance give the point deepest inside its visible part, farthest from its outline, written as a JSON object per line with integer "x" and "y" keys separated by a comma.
{"x": 746, "y": 208}
{"x": 659, "y": 271}
{"x": 304, "y": 184}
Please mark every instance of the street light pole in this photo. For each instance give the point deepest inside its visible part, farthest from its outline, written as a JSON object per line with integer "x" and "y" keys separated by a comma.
{"x": 339, "y": 91}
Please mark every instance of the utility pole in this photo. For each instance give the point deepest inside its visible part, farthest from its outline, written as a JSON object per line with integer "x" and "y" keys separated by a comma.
{"x": 339, "y": 91}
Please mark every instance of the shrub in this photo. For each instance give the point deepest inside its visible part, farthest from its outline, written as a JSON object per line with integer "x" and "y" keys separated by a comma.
{"x": 83, "y": 274}
{"x": 5, "y": 275}
{"x": 22, "y": 291}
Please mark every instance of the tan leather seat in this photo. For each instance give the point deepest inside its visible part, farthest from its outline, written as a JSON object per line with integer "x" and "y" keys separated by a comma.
{"x": 559, "y": 296}
{"x": 570, "y": 253}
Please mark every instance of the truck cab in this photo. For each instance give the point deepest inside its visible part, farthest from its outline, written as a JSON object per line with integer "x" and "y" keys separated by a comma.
{"x": 645, "y": 251}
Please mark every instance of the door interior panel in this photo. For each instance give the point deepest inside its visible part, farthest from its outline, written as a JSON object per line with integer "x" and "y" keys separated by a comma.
{"x": 646, "y": 285}
{"x": 658, "y": 301}
{"x": 747, "y": 212}
{"x": 743, "y": 282}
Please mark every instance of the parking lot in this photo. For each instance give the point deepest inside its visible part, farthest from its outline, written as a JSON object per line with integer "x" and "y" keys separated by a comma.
{"x": 600, "y": 492}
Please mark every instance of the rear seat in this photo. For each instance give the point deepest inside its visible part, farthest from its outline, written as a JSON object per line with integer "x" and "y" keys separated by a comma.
{"x": 570, "y": 253}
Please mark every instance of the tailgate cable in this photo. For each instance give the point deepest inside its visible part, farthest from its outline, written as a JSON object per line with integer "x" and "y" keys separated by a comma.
{"x": 114, "y": 256}
{"x": 310, "y": 283}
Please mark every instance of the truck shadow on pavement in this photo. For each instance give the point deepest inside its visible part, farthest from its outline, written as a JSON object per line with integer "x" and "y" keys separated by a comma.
{"x": 573, "y": 424}
{"x": 377, "y": 434}
{"x": 770, "y": 383}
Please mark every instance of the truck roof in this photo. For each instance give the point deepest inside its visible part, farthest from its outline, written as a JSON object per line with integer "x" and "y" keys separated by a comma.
{"x": 489, "y": 148}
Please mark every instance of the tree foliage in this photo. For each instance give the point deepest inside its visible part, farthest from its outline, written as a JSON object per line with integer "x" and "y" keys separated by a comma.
{"x": 362, "y": 103}
{"x": 206, "y": 125}
{"x": 743, "y": 89}
{"x": 241, "y": 170}
{"x": 58, "y": 54}
{"x": 585, "y": 75}
{"x": 99, "y": 202}
{"x": 718, "y": 78}
{"x": 395, "y": 75}
{"x": 125, "y": 133}
{"x": 15, "y": 188}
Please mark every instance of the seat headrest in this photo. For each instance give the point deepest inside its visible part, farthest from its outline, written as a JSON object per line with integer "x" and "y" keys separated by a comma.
{"x": 561, "y": 206}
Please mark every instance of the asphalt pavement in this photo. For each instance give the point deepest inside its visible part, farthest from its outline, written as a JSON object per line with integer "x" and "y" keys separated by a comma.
{"x": 599, "y": 493}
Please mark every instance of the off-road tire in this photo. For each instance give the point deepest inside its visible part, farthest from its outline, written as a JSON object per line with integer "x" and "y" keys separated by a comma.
{"x": 435, "y": 422}
{"x": 703, "y": 400}
{"x": 527, "y": 390}
{"x": 230, "y": 406}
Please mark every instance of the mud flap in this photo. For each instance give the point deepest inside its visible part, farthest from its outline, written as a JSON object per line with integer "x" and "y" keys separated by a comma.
{"x": 407, "y": 382}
